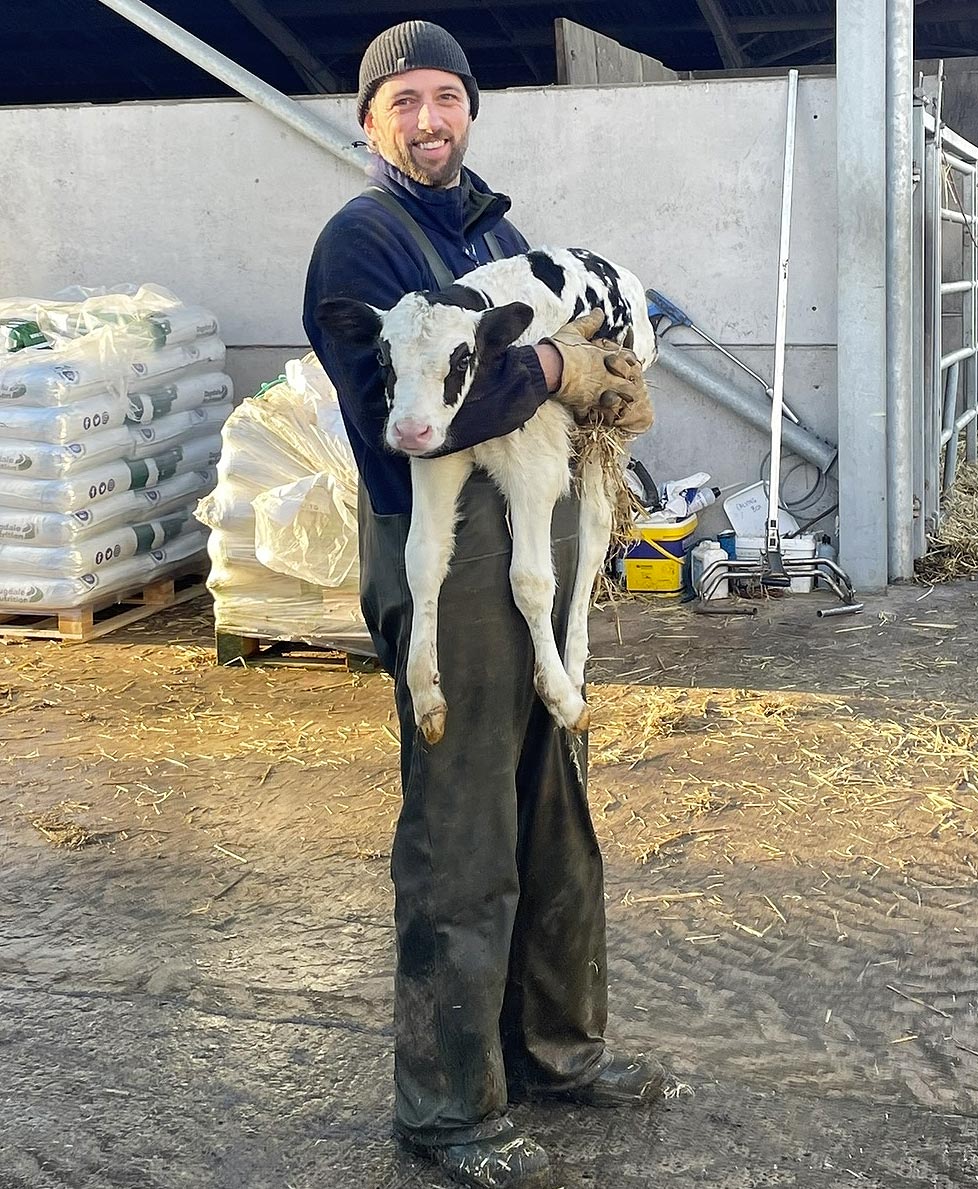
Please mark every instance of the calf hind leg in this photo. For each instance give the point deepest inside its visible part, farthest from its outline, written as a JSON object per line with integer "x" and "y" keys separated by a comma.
{"x": 534, "y": 587}
{"x": 436, "y": 484}
{"x": 594, "y": 535}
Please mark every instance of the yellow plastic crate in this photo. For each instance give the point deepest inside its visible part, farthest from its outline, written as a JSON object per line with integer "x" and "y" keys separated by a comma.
{"x": 654, "y": 563}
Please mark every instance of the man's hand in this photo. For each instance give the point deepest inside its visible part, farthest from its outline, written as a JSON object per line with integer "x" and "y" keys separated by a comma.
{"x": 600, "y": 380}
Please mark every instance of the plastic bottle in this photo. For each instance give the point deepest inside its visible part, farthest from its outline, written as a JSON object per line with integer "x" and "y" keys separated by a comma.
{"x": 704, "y": 555}
{"x": 698, "y": 498}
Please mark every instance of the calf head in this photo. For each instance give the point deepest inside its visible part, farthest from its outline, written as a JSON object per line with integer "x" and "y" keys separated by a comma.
{"x": 430, "y": 347}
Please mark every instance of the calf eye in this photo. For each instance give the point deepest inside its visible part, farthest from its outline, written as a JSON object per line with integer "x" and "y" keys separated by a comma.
{"x": 459, "y": 360}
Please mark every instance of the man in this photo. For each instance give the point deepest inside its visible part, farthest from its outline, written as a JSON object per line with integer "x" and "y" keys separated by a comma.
{"x": 501, "y": 987}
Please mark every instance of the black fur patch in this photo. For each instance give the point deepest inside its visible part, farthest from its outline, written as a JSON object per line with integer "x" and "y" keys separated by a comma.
{"x": 348, "y": 321}
{"x": 458, "y": 295}
{"x": 603, "y": 269}
{"x": 578, "y": 309}
{"x": 387, "y": 373}
{"x": 500, "y": 327}
{"x": 617, "y": 315}
{"x": 458, "y": 369}
{"x": 548, "y": 271}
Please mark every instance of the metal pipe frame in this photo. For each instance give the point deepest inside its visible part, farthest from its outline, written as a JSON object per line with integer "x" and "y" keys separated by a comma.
{"x": 957, "y": 164}
{"x": 958, "y": 356}
{"x": 950, "y": 377}
{"x": 298, "y": 117}
{"x": 899, "y": 289}
{"x": 969, "y": 316}
{"x": 949, "y": 441}
{"x": 730, "y": 569}
{"x": 681, "y": 363}
{"x": 917, "y": 292}
{"x": 956, "y": 287}
{"x": 953, "y": 216}
{"x": 932, "y": 331}
{"x": 862, "y": 290}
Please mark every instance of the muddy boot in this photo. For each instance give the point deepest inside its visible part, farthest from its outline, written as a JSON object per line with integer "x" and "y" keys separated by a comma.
{"x": 624, "y": 1081}
{"x": 499, "y": 1163}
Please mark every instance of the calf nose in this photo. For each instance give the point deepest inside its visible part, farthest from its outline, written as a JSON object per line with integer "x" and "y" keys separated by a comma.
{"x": 412, "y": 435}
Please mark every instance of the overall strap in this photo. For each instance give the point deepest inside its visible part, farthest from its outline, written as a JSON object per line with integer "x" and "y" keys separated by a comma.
{"x": 495, "y": 250}
{"x": 443, "y": 276}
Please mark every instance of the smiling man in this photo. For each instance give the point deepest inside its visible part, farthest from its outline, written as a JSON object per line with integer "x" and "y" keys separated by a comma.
{"x": 419, "y": 122}
{"x": 501, "y": 984}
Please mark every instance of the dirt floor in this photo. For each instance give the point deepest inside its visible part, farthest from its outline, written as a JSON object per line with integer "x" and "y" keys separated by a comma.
{"x": 195, "y": 933}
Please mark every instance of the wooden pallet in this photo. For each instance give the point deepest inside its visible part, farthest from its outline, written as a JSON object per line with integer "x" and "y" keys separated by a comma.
{"x": 253, "y": 652}
{"x": 78, "y": 625}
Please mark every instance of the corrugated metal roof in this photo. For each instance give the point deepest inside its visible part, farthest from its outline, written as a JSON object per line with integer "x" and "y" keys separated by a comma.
{"x": 51, "y": 51}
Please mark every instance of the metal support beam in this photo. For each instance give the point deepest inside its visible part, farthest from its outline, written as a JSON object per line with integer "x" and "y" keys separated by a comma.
{"x": 298, "y": 117}
{"x": 685, "y": 365}
{"x": 314, "y": 74}
{"x": 899, "y": 288}
{"x": 861, "y": 171}
{"x": 731, "y": 54}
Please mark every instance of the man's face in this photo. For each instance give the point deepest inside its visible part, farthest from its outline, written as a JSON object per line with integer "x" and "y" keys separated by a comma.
{"x": 419, "y": 122}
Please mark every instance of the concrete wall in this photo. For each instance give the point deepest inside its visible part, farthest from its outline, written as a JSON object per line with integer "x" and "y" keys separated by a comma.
{"x": 678, "y": 181}
{"x": 960, "y": 108}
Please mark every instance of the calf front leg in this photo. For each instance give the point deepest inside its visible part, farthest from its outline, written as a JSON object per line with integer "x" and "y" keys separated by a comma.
{"x": 532, "y": 579}
{"x": 436, "y": 483}
{"x": 592, "y": 548}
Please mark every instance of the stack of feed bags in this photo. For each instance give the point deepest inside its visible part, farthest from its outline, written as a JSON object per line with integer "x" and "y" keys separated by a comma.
{"x": 283, "y": 545}
{"x": 109, "y": 434}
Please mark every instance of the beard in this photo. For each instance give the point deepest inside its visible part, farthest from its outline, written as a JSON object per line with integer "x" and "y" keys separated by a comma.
{"x": 436, "y": 176}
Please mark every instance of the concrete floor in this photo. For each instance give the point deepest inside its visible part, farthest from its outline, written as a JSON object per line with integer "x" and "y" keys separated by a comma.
{"x": 201, "y": 995}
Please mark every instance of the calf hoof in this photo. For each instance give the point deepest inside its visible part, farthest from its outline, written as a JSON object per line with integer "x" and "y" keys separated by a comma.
{"x": 583, "y": 721}
{"x": 432, "y": 724}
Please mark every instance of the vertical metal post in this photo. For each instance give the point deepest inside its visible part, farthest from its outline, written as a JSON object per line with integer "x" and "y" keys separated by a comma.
{"x": 781, "y": 321}
{"x": 970, "y": 312}
{"x": 862, "y": 370}
{"x": 949, "y": 437}
{"x": 899, "y": 285}
{"x": 917, "y": 350}
{"x": 933, "y": 389}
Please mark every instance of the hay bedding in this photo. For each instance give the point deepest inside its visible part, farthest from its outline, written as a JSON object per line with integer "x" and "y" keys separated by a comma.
{"x": 749, "y": 770}
{"x": 59, "y": 827}
{"x": 953, "y": 550}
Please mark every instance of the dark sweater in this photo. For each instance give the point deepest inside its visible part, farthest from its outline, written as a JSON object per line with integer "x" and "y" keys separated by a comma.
{"x": 365, "y": 253}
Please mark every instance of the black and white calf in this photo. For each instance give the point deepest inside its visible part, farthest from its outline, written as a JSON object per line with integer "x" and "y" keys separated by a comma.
{"x": 431, "y": 345}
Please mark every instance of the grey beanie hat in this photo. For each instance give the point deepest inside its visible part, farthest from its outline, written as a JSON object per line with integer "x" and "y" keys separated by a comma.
{"x": 413, "y": 45}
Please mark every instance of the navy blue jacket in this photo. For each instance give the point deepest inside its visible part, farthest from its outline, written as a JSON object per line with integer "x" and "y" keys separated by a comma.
{"x": 365, "y": 253}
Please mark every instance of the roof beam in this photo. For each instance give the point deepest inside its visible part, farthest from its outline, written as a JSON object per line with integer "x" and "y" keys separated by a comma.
{"x": 789, "y": 51}
{"x": 318, "y": 77}
{"x": 930, "y": 12}
{"x": 731, "y": 55}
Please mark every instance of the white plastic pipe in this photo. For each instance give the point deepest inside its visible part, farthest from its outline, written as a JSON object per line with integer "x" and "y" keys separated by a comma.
{"x": 780, "y": 330}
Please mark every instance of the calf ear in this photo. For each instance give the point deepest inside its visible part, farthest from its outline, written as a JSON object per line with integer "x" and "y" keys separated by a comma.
{"x": 499, "y": 328}
{"x": 349, "y": 321}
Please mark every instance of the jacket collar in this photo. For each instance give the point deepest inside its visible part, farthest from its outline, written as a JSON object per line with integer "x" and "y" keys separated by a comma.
{"x": 463, "y": 210}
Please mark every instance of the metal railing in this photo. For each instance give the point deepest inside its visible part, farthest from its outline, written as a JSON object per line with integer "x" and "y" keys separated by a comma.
{"x": 945, "y": 337}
